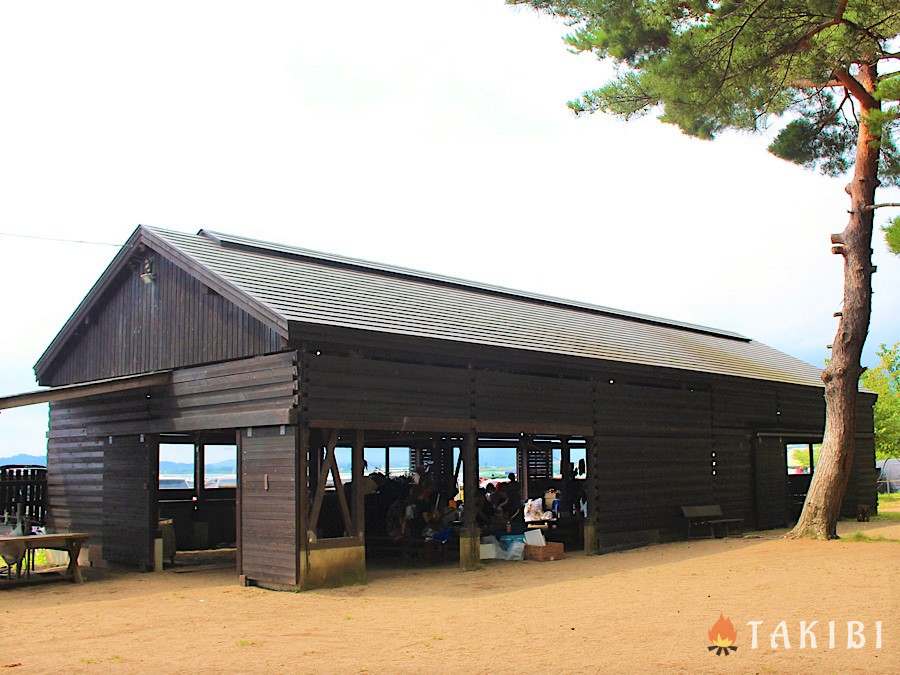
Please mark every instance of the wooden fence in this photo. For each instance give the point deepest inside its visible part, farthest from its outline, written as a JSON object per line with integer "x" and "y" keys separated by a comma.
{"x": 24, "y": 485}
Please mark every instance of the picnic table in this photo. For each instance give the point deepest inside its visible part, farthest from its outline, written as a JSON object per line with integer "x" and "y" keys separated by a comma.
{"x": 70, "y": 542}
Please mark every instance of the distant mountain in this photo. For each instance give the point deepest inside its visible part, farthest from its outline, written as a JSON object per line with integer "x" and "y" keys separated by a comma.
{"x": 225, "y": 467}
{"x": 24, "y": 459}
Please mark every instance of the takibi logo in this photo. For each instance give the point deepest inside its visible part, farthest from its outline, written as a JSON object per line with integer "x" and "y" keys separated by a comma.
{"x": 722, "y": 635}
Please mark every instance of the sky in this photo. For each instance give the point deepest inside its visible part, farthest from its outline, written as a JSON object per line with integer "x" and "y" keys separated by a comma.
{"x": 425, "y": 134}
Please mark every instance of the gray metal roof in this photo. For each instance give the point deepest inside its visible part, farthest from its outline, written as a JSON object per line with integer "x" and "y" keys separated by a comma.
{"x": 307, "y": 286}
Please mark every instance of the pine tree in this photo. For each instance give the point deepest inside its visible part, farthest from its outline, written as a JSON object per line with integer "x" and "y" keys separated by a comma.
{"x": 822, "y": 65}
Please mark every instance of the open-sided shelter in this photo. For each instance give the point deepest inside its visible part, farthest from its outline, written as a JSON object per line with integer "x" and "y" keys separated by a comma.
{"x": 289, "y": 354}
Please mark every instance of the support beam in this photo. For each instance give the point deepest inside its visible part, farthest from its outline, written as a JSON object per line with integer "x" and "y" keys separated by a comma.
{"x": 524, "y": 446}
{"x": 568, "y": 475}
{"x": 470, "y": 538}
{"x": 303, "y": 448}
{"x": 591, "y": 535}
{"x": 359, "y": 497}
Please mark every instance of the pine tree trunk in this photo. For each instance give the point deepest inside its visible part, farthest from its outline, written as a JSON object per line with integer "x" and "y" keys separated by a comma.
{"x": 841, "y": 377}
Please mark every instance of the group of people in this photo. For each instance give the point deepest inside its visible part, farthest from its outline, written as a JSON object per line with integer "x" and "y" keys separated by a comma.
{"x": 416, "y": 506}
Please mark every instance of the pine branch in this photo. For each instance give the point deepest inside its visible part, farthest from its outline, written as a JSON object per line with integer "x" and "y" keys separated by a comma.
{"x": 872, "y": 207}
{"x": 802, "y": 43}
{"x": 810, "y": 84}
{"x": 856, "y": 88}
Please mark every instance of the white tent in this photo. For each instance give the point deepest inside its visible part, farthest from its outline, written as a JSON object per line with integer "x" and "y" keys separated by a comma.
{"x": 888, "y": 475}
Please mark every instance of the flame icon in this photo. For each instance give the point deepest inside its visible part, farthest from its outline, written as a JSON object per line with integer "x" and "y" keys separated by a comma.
{"x": 722, "y": 635}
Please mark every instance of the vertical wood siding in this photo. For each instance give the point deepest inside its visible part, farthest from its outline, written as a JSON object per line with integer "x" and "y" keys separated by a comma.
{"x": 173, "y": 322}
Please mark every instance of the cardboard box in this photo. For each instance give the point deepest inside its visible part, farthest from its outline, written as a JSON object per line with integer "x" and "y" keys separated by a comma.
{"x": 550, "y": 551}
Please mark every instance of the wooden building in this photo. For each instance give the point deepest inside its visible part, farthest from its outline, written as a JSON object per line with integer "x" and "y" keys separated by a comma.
{"x": 289, "y": 354}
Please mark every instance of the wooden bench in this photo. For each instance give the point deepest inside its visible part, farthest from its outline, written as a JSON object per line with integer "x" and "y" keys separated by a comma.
{"x": 709, "y": 514}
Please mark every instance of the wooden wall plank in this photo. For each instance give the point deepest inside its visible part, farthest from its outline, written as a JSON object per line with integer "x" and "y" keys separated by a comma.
{"x": 269, "y": 505}
{"x": 139, "y": 327}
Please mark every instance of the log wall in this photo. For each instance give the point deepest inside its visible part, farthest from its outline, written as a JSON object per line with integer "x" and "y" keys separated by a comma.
{"x": 659, "y": 442}
{"x": 94, "y": 483}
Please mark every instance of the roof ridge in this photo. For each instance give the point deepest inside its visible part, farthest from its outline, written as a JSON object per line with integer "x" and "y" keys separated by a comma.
{"x": 240, "y": 242}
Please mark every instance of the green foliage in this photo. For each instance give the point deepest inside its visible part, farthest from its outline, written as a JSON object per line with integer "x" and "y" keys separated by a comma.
{"x": 864, "y": 538}
{"x": 892, "y": 235}
{"x": 709, "y": 66}
{"x": 800, "y": 456}
{"x": 884, "y": 380}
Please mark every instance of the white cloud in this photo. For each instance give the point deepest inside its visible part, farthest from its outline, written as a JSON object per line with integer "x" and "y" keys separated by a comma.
{"x": 431, "y": 135}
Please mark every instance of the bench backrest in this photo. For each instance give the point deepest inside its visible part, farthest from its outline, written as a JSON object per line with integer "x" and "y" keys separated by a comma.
{"x": 708, "y": 511}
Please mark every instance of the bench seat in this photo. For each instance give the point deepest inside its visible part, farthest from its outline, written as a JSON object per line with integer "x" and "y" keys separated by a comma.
{"x": 707, "y": 515}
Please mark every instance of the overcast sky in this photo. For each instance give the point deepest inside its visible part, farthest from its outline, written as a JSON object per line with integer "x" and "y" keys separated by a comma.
{"x": 431, "y": 135}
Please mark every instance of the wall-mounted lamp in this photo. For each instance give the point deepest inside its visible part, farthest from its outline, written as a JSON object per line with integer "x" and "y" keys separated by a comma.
{"x": 147, "y": 274}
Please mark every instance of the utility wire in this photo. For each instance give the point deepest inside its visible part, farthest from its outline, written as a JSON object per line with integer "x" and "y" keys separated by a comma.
{"x": 64, "y": 241}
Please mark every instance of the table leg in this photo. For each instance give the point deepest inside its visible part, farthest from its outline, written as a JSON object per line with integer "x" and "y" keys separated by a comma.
{"x": 73, "y": 571}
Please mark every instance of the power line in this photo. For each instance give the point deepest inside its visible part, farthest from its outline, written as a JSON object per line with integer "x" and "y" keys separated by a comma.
{"x": 56, "y": 239}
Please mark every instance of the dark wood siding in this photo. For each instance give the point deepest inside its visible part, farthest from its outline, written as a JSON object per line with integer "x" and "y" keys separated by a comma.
{"x": 75, "y": 483}
{"x": 655, "y": 434}
{"x": 130, "y": 481}
{"x": 385, "y": 394}
{"x": 861, "y": 486}
{"x": 379, "y": 394}
{"x": 733, "y": 487}
{"x": 770, "y": 481}
{"x": 245, "y": 392}
{"x": 170, "y": 323}
{"x": 641, "y": 483}
{"x": 652, "y": 455}
{"x": 512, "y": 402}
{"x": 863, "y": 478}
{"x": 637, "y": 411}
{"x": 269, "y": 505}
{"x": 85, "y": 472}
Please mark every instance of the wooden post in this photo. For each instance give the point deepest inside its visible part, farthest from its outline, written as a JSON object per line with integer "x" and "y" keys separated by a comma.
{"x": 199, "y": 470}
{"x": 565, "y": 458}
{"x": 303, "y": 447}
{"x": 565, "y": 470}
{"x": 237, "y": 505}
{"x": 359, "y": 498}
{"x": 591, "y": 535}
{"x": 470, "y": 540}
{"x": 524, "y": 447}
{"x": 591, "y": 539}
{"x": 314, "y": 461}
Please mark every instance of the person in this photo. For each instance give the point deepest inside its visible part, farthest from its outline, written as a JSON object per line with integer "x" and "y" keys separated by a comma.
{"x": 496, "y": 497}
{"x": 513, "y": 493}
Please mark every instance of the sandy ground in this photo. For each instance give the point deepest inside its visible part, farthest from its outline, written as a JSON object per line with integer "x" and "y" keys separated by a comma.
{"x": 625, "y": 612}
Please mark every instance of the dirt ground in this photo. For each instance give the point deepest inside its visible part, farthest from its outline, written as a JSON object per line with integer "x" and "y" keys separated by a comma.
{"x": 624, "y": 612}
